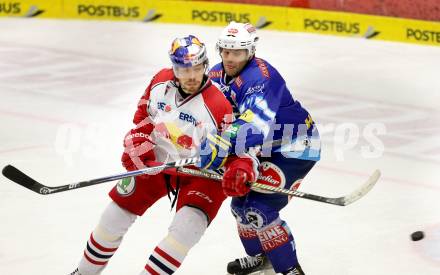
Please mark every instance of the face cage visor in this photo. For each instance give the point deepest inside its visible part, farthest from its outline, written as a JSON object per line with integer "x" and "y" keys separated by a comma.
{"x": 190, "y": 71}
{"x": 235, "y": 54}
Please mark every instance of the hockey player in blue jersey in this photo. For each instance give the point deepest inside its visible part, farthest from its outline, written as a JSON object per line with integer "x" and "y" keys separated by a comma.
{"x": 273, "y": 132}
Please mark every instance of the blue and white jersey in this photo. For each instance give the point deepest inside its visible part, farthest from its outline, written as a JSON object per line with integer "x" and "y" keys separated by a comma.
{"x": 266, "y": 113}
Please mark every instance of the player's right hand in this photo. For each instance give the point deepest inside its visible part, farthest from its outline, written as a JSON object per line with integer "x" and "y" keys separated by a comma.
{"x": 239, "y": 171}
{"x": 138, "y": 149}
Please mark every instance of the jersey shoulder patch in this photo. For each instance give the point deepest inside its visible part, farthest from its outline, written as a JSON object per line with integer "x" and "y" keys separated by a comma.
{"x": 262, "y": 66}
{"x": 216, "y": 71}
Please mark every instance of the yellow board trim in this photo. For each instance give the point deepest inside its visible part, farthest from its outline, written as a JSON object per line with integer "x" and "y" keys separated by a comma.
{"x": 32, "y": 8}
{"x": 219, "y": 14}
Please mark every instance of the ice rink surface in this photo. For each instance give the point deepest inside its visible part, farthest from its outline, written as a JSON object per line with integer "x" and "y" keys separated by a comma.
{"x": 69, "y": 89}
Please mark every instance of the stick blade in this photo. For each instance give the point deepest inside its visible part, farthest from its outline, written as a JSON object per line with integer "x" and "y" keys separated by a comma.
{"x": 363, "y": 190}
{"x": 22, "y": 179}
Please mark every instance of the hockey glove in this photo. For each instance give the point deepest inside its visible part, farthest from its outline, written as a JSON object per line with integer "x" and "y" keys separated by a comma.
{"x": 214, "y": 152}
{"x": 239, "y": 171}
{"x": 138, "y": 149}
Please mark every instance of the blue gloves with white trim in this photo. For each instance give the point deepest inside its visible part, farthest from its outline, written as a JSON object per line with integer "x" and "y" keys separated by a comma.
{"x": 214, "y": 152}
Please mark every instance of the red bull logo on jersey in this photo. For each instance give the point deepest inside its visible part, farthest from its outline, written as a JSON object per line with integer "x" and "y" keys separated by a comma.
{"x": 185, "y": 142}
{"x": 175, "y": 135}
{"x": 271, "y": 175}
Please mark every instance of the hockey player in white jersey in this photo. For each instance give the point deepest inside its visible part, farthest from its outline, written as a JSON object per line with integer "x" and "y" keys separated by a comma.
{"x": 179, "y": 107}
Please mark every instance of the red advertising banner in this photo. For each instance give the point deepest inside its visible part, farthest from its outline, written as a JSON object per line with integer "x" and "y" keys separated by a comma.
{"x": 415, "y": 9}
{"x": 283, "y": 3}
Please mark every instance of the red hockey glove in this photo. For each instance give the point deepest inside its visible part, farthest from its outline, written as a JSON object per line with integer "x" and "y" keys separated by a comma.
{"x": 238, "y": 172}
{"x": 138, "y": 149}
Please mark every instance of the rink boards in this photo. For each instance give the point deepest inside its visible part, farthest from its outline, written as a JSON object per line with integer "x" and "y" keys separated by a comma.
{"x": 219, "y": 14}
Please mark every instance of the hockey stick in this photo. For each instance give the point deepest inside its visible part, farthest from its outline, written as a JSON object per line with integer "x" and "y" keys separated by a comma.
{"x": 341, "y": 201}
{"x": 24, "y": 180}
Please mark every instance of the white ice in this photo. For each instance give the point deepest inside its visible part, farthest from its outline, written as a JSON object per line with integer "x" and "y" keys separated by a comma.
{"x": 68, "y": 90}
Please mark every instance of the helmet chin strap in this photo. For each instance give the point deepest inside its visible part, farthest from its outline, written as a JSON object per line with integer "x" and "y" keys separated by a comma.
{"x": 251, "y": 53}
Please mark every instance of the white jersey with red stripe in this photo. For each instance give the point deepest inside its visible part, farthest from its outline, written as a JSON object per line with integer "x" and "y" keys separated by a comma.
{"x": 181, "y": 122}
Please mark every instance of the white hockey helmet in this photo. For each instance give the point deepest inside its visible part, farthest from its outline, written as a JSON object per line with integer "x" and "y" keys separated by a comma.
{"x": 238, "y": 36}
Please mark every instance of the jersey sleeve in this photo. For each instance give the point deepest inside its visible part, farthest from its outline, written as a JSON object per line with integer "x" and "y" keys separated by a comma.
{"x": 258, "y": 105}
{"x": 141, "y": 117}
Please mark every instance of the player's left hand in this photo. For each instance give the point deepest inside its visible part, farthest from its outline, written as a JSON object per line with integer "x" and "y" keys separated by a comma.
{"x": 214, "y": 152}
